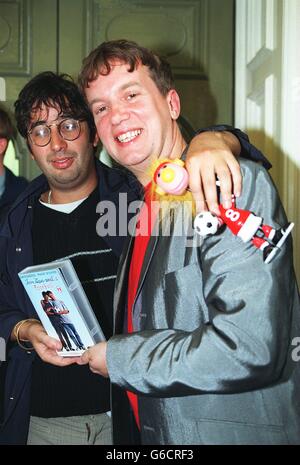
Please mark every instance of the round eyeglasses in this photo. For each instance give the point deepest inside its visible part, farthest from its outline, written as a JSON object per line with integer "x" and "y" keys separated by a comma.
{"x": 69, "y": 129}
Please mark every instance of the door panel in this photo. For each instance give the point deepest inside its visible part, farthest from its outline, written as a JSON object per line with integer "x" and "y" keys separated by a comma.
{"x": 195, "y": 35}
{"x": 26, "y": 48}
{"x": 267, "y": 92}
{"x": 258, "y": 76}
{"x": 75, "y": 31}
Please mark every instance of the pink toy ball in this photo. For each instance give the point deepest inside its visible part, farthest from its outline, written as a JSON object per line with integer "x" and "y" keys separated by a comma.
{"x": 171, "y": 178}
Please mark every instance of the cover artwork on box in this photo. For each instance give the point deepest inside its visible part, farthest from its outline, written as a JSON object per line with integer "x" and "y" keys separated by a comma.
{"x": 58, "y": 309}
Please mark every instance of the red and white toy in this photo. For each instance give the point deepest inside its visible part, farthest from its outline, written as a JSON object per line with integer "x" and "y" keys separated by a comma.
{"x": 171, "y": 177}
{"x": 245, "y": 225}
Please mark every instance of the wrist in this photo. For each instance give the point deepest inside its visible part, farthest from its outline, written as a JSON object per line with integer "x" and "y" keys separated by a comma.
{"x": 22, "y": 330}
{"x": 206, "y": 139}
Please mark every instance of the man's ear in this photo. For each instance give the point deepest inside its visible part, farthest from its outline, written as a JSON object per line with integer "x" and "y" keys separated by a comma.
{"x": 173, "y": 100}
{"x": 3, "y": 145}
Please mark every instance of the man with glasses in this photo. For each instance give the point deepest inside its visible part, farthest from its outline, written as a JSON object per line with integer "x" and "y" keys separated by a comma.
{"x": 55, "y": 219}
{"x": 40, "y": 134}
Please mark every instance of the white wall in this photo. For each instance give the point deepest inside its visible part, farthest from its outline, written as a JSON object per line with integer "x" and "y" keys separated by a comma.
{"x": 10, "y": 161}
{"x": 290, "y": 118}
{"x": 267, "y": 92}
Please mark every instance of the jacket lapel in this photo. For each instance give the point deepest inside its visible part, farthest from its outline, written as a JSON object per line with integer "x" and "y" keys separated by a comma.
{"x": 146, "y": 262}
{"x": 121, "y": 286}
{"x": 120, "y": 190}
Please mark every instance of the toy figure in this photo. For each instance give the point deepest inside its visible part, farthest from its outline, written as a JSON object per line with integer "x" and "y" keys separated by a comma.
{"x": 171, "y": 177}
{"x": 245, "y": 225}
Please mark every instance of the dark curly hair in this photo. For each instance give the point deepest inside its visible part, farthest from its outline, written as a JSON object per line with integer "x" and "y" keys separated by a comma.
{"x": 99, "y": 62}
{"x": 52, "y": 90}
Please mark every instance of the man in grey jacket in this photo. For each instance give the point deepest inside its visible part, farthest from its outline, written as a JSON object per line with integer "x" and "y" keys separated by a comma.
{"x": 206, "y": 356}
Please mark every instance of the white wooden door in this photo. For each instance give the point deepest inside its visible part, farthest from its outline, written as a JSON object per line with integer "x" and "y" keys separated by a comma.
{"x": 267, "y": 92}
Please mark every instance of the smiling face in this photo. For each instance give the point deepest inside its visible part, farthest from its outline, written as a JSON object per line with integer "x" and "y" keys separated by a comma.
{"x": 134, "y": 121}
{"x": 68, "y": 165}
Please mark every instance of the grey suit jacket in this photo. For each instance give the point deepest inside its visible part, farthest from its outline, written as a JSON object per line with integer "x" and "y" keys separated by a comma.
{"x": 211, "y": 359}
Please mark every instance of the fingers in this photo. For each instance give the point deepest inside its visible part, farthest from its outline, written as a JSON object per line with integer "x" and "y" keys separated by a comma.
{"x": 84, "y": 359}
{"x": 208, "y": 175}
{"x": 202, "y": 183}
{"x": 58, "y": 360}
{"x": 49, "y": 355}
{"x": 230, "y": 179}
{"x": 203, "y": 173}
{"x": 96, "y": 358}
{"x": 200, "y": 205}
{"x": 46, "y": 347}
{"x": 198, "y": 193}
{"x": 237, "y": 179}
{"x": 87, "y": 358}
{"x": 48, "y": 341}
{"x": 225, "y": 181}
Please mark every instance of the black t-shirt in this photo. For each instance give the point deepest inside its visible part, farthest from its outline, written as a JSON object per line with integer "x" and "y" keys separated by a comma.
{"x": 74, "y": 390}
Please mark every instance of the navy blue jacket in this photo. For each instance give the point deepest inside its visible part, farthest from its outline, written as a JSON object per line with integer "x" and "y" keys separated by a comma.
{"x": 16, "y": 240}
{"x": 16, "y": 254}
{"x": 14, "y": 185}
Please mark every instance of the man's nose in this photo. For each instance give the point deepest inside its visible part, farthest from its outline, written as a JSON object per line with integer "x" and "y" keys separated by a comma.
{"x": 119, "y": 113}
{"x": 57, "y": 142}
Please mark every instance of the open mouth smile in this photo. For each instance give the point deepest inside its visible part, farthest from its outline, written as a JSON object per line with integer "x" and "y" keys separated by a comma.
{"x": 128, "y": 136}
